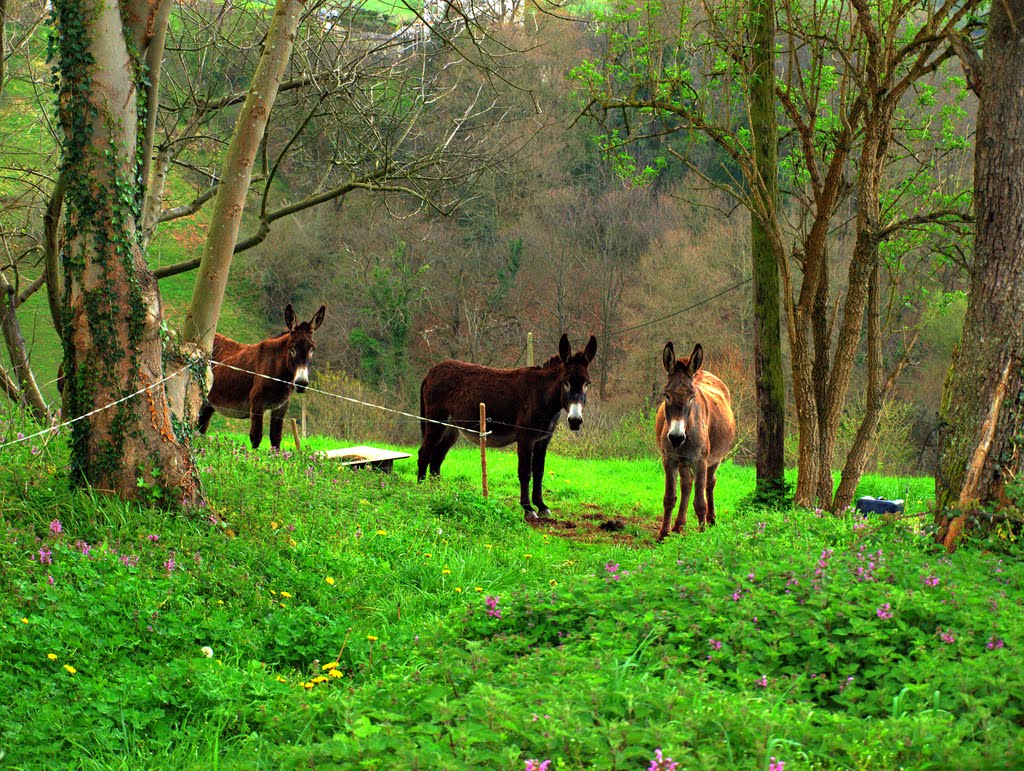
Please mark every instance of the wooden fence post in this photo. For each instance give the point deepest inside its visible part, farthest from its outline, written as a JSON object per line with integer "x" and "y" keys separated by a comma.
{"x": 295, "y": 433}
{"x": 529, "y": 349}
{"x": 303, "y": 418}
{"x": 483, "y": 446}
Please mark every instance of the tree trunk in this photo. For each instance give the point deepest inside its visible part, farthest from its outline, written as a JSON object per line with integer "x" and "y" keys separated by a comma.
{"x": 770, "y": 460}
{"x": 111, "y": 307}
{"x": 983, "y": 402}
{"x": 200, "y": 323}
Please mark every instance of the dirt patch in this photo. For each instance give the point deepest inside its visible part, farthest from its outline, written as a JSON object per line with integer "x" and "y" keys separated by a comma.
{"x": 590, "y": 524}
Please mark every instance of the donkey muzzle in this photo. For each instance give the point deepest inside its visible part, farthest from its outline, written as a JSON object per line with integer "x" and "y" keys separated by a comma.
{"x": 676, "y": 439}
{"x": 575, "y": 416}
{"x": 301, "y": 381}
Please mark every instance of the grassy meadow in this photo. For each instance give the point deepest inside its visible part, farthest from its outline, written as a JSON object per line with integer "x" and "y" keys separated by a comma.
{"x": 312, "y": 616}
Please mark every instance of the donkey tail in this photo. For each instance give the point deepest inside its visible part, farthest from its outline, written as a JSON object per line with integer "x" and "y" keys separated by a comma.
{"x": 423, "y": 410}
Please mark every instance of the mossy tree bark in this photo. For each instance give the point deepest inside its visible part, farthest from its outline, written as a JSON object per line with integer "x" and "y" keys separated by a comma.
{"x": 111, "y": 311}
{"x": 770, "y": 386}
{"x": 983, "y": 400}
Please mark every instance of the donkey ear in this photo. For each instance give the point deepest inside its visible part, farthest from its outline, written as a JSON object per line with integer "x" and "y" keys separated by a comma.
{"x": 668, "y": 357}
{"x": 696, "y": 359}
{"x": 591, "y": 350}
{"x": 564, "y": 349}
{"x": 289, "y": 317}
{"x": 318, "y": 319}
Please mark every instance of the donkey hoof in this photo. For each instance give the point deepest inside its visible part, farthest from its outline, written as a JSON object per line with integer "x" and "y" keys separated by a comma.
{"x": 531, "y": 516}
{"x": 544, "y": 513}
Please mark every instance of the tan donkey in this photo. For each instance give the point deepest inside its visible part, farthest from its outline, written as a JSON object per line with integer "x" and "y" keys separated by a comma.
{"x": 695, "y": 429}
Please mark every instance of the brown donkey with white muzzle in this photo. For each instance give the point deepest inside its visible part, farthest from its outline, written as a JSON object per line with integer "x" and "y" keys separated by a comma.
{"x": 695, "y": 429}
{"x": 248, "y": 380}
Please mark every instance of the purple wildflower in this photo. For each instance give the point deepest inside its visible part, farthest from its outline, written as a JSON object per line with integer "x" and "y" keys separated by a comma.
{"x": 715, "y": 644}
{"x": 49, "y": 580}
{"x": 947, "y": 637}
{"x": 492, "y": 607}
{"x": 660, "y": 763}
{"x": 884, "y": 611}
{"x": 55, "y": 527}
{"x": 153, "y": 537}
{"x": 129, "y": 560}
{"x": 763, "y": 682}
{"x": 994, "y": 643}
{"x": 170, "y": 565}
{"x": 931, "y": 581}
{"x": 85, "y": 548}
{"x": 45, "y": 556}
{"x": 537, "y": 765}
{"x": 776, "y": 765}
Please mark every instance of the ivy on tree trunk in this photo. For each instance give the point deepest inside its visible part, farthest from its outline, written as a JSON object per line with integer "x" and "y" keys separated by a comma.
{"x": 111, "y": 311}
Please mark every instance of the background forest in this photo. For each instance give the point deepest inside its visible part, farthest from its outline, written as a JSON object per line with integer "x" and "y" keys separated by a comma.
{"x": 508, "y": 219}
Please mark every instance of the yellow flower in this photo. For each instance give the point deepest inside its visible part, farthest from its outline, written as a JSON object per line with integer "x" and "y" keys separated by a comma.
{"x": 274, "y": 526}
{"x": 285, "y": 594}
{"x": 382, "y": 532}
{"x": 488, "y": 546}
{"x": 291, "y": 542}
{"x": 363, "y": 501}
{"x": 71, "y": 670}
{"x": 281, "y": 679}
{"x": 478, "y": 588}
{"x": 307, "y": 686}
{"x": 428, "y": 555}
{"x": 51, "y": 656}
{"x": 458, "y": 589}
{"x": 336, "y": 673}
{"x": 24, "y": 621}
{"x": 329, "y": 665}
{"x": 553, "y": 582}
{"x": 273, "y": 592}
{"x": 329, "y": 580}
{"x": 445, "y": 572}
{"x": 220, "y": 602}
{"x": 371, "y": 638}
{"x": 319, "y": 679}
{"x": 528, "y": 556}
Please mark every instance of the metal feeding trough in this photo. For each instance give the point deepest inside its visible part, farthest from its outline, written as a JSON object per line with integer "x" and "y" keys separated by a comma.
{"x": 363, "y": 457}
{"x": 869, "y": 505}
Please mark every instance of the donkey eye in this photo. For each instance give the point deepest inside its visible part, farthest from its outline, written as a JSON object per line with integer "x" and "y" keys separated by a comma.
{"x": 291, "y": 352}
{"x": 565, "y": 386}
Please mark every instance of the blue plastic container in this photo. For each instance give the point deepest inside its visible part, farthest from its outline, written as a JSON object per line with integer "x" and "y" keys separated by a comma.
{"x": 869, "y": 505}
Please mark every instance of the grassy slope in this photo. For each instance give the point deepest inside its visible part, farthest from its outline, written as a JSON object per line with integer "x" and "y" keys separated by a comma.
{"x": 601, "y": 654}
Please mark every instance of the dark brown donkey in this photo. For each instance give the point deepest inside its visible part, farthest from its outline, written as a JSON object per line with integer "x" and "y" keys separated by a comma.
{"x": 523, "y": 406}
{"x": 695, "y": 429}
{"x": 239, "y": 394}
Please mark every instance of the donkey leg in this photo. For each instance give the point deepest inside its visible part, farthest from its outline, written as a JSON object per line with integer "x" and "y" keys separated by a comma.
{"x": 277, "y": 425}
{"x": 432, "y": 436}
{"x": 447, "y": 441}
{"x": 700, "y": 503}
{"x": 205, "y": 413}
{"x": 255, "y": 429}
{"x": 540, "y": 451}
{"x": 525, "y": 450}
{"x": 670, "y": 496}
{"x": 712, "y": 480}
{"x": 685, "y": 485}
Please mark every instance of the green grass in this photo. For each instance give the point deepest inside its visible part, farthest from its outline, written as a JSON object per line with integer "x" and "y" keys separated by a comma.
{"x": 763, "y": 637}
